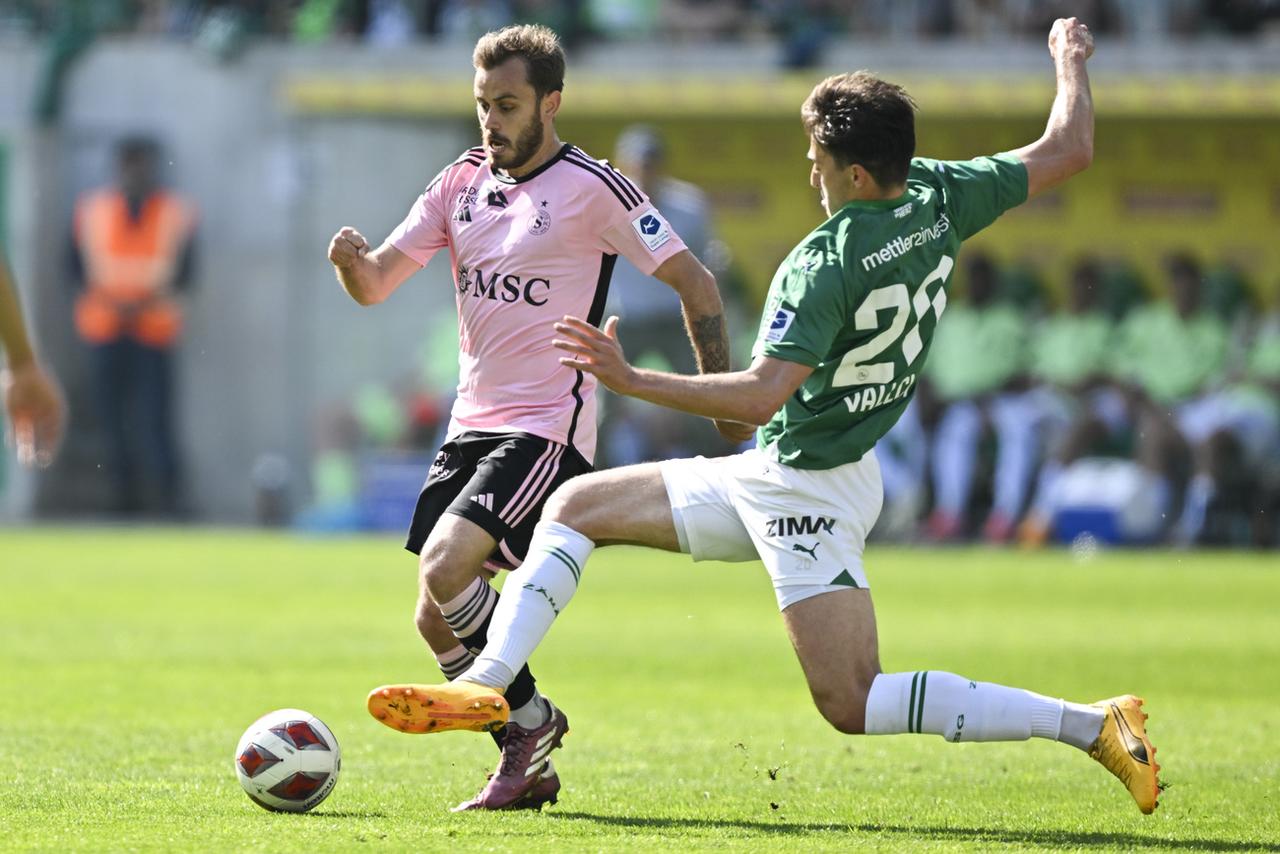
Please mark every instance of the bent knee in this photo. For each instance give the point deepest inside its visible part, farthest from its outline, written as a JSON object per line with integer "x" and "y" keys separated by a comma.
{"x": 570, "y": 505}
{"x": 436, "y": 572}
{"x": 427, "y": 611}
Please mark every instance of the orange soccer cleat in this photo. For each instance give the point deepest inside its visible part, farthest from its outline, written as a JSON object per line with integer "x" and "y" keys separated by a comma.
{"x": 1124, "y": 749}
{"x": 439, "y": 708}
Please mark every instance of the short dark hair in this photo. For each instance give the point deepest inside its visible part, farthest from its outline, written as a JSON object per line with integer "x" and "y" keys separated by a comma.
{"x": 537, "y": 45}
{"x": 861, "y": 119}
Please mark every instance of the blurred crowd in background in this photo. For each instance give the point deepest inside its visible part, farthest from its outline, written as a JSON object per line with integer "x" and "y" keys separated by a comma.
{"x": 800, "y": 23}
{"x": 1135, "y": 408}
{"x": 1138, "y": 412}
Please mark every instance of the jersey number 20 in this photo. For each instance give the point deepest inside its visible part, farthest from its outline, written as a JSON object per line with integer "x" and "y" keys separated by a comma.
{"x": 858, "y": 366}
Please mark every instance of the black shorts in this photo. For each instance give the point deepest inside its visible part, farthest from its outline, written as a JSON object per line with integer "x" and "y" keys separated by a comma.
{"x": 499, "y": 481}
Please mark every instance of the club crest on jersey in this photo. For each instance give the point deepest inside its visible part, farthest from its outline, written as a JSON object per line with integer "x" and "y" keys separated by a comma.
{"x": 652, "y": 230}
{"x": 540, "y": 223}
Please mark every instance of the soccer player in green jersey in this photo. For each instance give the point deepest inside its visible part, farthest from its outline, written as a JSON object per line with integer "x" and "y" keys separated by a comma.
{"x": 846, "y": 328}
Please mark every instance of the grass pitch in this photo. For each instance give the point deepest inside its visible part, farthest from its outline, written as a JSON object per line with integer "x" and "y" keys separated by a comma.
{"x": 130, "y": 662}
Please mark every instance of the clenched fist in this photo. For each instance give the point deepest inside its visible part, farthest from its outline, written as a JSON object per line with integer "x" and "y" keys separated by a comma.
{"x": 1070, "y": 39}
{"x": 347, "y": 247}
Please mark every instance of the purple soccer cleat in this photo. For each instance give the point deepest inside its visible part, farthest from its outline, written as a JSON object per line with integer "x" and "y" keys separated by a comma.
{"x": 546, "y": 791}
{"x": 519, "y": 782}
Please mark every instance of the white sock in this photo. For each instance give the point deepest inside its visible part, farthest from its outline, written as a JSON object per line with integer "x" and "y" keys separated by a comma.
{"x": 961, "y": 710}
{"x": 532, "y": 714}
{"x": 1081, "y": 725}
{"x": 533, "y": 596}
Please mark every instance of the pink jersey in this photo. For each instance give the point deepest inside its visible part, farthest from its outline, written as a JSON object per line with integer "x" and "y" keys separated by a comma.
{"x": 527, "y": 251}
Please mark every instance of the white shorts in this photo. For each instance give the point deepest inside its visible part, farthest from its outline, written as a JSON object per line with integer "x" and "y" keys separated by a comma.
{"x": 808, "y": 526}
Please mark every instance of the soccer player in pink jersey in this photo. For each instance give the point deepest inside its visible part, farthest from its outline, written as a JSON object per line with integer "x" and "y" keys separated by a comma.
{"x": 533, "y": 227}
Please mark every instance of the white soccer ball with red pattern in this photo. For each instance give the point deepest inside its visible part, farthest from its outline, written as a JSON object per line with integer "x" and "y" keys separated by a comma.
{"x": 288, "y": 761}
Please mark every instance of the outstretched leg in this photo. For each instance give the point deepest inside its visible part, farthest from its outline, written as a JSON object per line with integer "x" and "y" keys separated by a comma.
{"x": 834, "y": 636}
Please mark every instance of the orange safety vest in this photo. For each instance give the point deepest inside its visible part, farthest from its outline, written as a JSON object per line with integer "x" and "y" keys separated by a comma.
{"x": 129, "y": 266}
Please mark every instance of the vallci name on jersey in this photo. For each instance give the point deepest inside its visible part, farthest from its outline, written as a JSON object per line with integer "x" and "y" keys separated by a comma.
{"x": 874, "y": 396}
{"x": 500, "y": 287}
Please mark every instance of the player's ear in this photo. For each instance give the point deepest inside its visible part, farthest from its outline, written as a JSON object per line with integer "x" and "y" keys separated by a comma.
{"x": 863, "y": 180}
{"x": 550, "y": 105}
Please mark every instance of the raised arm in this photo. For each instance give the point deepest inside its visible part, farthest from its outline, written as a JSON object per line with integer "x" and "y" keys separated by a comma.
{"x": 369, "y": 277}
{"x": 1066, "y": 147}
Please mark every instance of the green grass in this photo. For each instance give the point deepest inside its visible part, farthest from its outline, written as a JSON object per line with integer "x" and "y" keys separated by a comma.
{"x": 130, "y": 662}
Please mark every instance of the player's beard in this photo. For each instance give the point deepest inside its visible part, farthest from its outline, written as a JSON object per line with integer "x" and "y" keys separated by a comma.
{"x": 525, "y": 147}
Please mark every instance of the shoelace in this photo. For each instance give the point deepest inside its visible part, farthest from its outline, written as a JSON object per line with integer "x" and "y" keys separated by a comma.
{"x": 519, "y": 743}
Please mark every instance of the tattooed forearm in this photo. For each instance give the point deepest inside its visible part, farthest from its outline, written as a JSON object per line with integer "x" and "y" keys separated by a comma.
{"x": 710, "y": 343}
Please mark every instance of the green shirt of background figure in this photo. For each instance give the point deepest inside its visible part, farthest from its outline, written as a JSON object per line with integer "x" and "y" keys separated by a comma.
{"x": 873, "y": 262}
{"x": 1170, "y": 356}
{"x": 977, "y": 350}
{"x": 1069, "y": 349}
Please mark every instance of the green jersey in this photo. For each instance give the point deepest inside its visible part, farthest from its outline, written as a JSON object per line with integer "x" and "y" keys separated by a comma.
{"x": 1170, "y": 357}
{"x": 858, "y": 301}
{"x": 1070, "y": 348}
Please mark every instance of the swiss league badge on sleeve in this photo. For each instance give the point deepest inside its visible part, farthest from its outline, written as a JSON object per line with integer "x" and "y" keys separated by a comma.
{"x": 652, "y": 229}
{"x": 779, "y": 324}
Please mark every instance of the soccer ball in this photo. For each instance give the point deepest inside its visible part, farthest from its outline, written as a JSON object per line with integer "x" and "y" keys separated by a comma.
{"x": 288, "y": 761}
